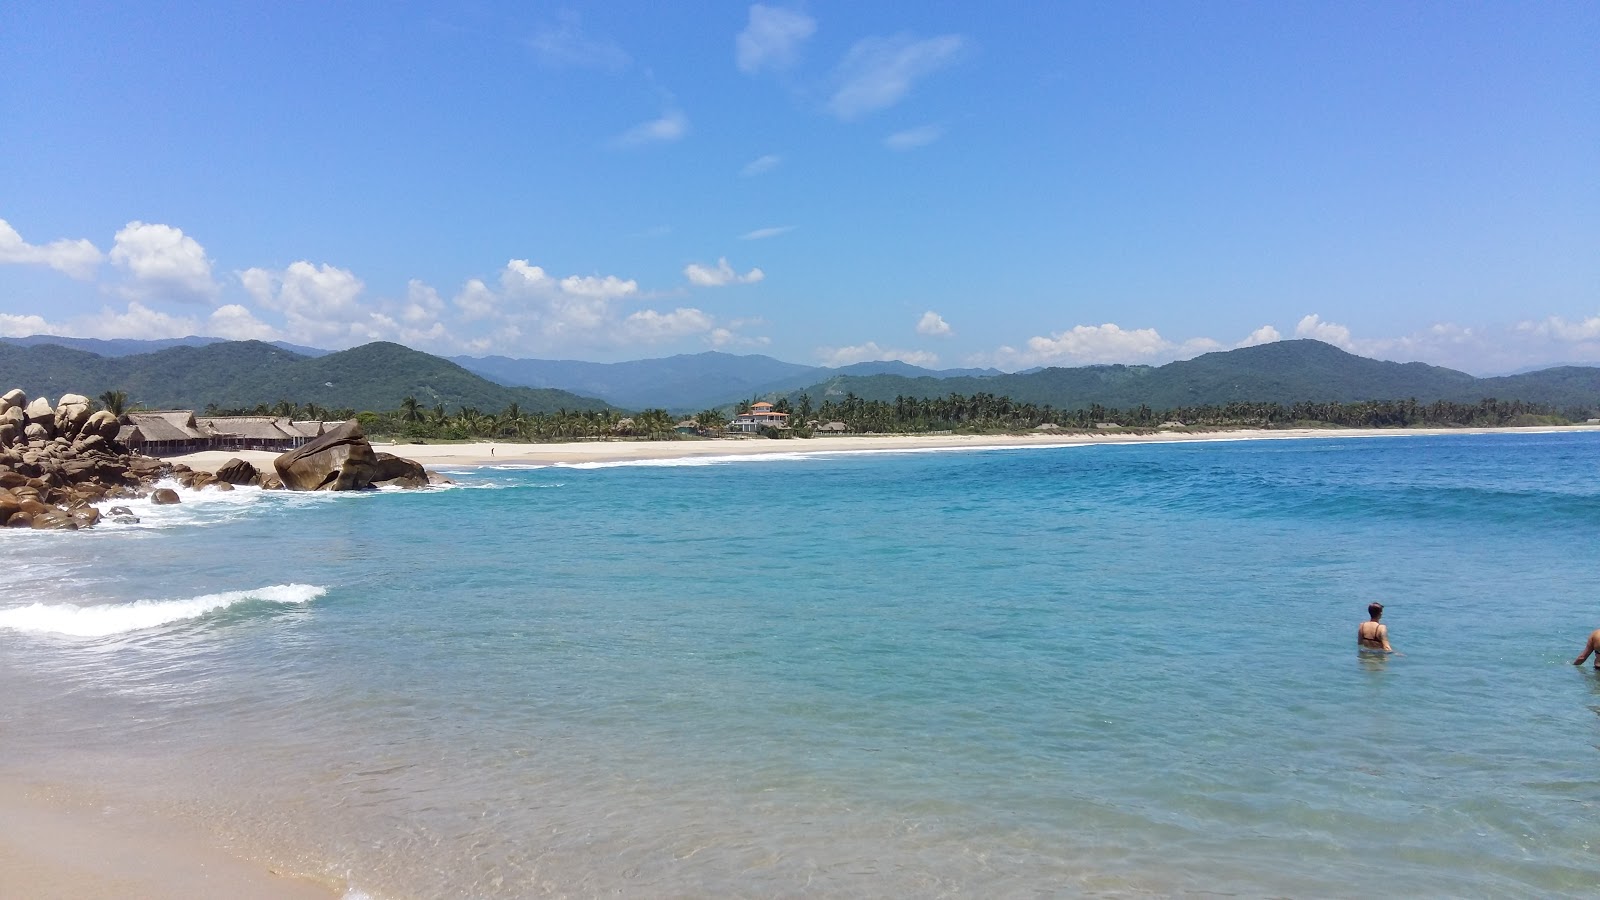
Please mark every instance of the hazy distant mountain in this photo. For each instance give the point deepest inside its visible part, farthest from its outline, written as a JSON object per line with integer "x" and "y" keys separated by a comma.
{"x": 1283, "y": 372}
{"x": 130, "y": 346}
{"x": 375, "y": 376}
{"x": 685, "y": 382}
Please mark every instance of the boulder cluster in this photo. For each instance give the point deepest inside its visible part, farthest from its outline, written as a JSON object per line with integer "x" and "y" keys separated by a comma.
{"x": 57, "y": 461}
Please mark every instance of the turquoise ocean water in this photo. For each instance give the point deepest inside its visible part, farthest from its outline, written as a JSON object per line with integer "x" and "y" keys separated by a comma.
{"x": 1120, "y": 670}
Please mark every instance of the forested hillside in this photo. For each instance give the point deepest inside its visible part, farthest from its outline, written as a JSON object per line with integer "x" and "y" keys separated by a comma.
{"x": 242, "y": 374}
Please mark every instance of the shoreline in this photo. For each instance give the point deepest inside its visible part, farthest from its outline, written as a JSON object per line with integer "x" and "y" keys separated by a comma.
{"x": 61, "y": 842}
{"x": 500, "y": 453}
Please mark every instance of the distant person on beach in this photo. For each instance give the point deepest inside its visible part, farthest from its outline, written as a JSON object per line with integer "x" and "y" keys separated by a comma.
{"x": 1593, "y": 646}
{"x": 1374, "y": 635}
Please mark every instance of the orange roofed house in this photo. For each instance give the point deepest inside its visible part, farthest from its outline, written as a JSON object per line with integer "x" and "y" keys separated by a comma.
{"x": 761, "y": 415}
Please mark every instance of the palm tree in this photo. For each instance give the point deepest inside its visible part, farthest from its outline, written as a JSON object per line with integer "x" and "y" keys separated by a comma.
{"x": 115, "y": 402}
{"x": 410, "y": 409}
{"x": 711, "y": 421}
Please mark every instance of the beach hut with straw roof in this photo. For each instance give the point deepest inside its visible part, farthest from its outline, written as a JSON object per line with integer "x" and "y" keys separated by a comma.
{"x": 273, "y": 433}
{"x": 166, "y": 432}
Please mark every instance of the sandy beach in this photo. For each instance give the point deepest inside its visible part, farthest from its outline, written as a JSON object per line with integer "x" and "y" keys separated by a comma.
{"x": 486, "y": 453}
{"x": 58, "y": 843}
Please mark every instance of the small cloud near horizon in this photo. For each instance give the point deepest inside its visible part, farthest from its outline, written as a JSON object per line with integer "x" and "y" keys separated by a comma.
{"x": 760, "y": 165}
{"x": 722, "y": 275}
{"x": 761, "y": 234}
{"x": 671, "y": 126}
{"x": 871, "y": 352}
{"x": 934, "y": 325}
{"x": 912, "y": 138}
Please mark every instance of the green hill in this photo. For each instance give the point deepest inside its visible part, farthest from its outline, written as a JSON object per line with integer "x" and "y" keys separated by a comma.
{"x": 235, "y": 374}
{"x": 1283, "y": 372}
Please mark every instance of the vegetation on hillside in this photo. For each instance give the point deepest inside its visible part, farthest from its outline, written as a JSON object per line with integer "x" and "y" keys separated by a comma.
{"x": 1284, "y": 372}
{"x": 240, "y": 374}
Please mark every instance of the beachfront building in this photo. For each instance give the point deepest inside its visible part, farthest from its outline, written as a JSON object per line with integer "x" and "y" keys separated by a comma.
{"x": 761, "y": 415}
{"x": 170, "y": 432}
{"x": 276, "y": 433}
{"x": 163, "y": 432}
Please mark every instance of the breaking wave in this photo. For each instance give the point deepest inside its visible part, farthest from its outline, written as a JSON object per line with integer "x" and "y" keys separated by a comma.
{"x": 108, "y": 619}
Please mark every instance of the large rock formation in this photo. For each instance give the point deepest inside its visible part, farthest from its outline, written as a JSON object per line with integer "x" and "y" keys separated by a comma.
{"x": 56, "y": 460}
{"x": 343, "y": 460}
{"x": 238, "y": 471}
{"x": 340, "y": 460}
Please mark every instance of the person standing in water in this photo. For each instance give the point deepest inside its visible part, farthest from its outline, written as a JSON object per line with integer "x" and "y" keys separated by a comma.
{"x": 1593, "y": 646}
{"x": 1374, "y": 635}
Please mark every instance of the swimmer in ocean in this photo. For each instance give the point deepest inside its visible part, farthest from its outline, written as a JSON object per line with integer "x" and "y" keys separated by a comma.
{"x": 1374, "y": 635}
{"x": 1592, "y": 646}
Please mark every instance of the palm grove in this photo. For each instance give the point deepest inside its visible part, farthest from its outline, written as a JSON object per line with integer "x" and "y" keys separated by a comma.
{"x": 975, "y": 413}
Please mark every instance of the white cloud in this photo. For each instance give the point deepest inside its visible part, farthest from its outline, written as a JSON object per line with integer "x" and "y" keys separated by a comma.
{"x": 608, "y": 288}
{"x": 933, "y": 324}
{"x": 76, "y": 259}
{"x": 1088, "y": 345}
{"x": 879, "y": 72}
{"x": 163, "y": 262}
{"x": 321, "y": 305}
{"x": 1312, "y": 326}
{"x": 476, "y": 301}
{"x": 722, "y": 275}
{"x": 423, "y": 304}
{"x": 870, "y": 351}
{"x": 671, "y": 126}
{"x": 565, "y": 46}
{"x": 139, "y": 322}
{"x": 236, "y": 323}
{"x": 772, "y": 39}
{"x": 1266, "y": 334}
{"x": 651, "y": 327}
{"x": 23, "y": 326}
{"x": 1559, "y": 329}
{"x": 760, "y": 165}
{"x": 913, "y": 138}
{"x": 532, "y": 309}
{"x": 761, "y": 234}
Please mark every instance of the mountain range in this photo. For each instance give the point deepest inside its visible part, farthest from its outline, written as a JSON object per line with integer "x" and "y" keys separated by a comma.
{"x": 242, "y": 374}
{"x": 1280, "y": 372}
{"x": 379, "y": 376}
{"x": 688, "y": 382}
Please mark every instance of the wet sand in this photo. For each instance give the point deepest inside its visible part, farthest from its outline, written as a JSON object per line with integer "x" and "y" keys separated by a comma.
{"x": 59, "y": 844}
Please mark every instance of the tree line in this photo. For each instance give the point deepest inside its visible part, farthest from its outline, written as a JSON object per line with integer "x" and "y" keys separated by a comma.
{"x": 975, "y": 413}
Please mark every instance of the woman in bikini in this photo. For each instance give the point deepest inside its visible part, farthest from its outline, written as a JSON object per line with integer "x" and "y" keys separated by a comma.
{"x": 1374, "y": 635}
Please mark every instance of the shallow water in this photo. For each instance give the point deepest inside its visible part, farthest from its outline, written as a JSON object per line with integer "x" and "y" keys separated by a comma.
{"x": 1121, "y": 670}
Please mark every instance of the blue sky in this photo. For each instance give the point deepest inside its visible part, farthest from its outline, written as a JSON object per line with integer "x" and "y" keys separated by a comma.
{"x": 952, "y": 184}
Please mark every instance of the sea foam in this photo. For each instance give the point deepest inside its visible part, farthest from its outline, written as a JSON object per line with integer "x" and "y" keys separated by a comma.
{"x": 119, "y": 618}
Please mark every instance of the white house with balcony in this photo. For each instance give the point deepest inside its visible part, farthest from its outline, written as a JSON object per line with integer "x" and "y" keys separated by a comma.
{"x": 761, "y": 415}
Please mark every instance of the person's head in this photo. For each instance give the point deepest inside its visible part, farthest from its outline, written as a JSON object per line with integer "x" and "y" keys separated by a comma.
{"x": 1375, "y": 610}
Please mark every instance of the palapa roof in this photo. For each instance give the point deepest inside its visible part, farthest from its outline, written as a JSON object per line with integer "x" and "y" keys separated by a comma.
{"x": 167, "y": 425}
{"x": 256, "y": 428}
